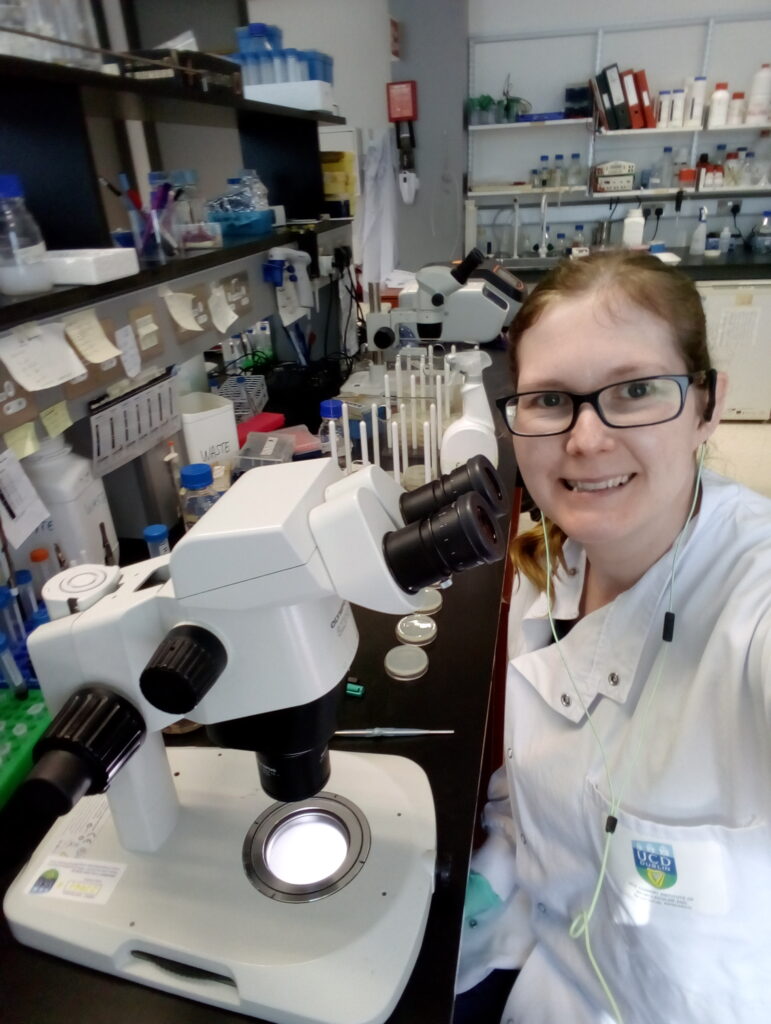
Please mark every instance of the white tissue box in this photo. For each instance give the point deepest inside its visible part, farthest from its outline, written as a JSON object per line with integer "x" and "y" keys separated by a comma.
{"x": 91, "y": 266}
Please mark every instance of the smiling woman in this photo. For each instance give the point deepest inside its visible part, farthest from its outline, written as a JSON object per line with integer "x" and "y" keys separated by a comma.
{"x": 623, "y": 864}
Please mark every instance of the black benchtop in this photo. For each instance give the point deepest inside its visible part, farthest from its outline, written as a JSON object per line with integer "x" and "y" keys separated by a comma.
{"x": 735, "y": 266}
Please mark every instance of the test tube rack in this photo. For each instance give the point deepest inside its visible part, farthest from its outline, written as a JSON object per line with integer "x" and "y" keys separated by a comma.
{"x": 22, "y": 723}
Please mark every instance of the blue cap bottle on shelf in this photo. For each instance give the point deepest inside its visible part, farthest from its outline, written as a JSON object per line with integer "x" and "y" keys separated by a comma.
{"x": 157, "y": 539}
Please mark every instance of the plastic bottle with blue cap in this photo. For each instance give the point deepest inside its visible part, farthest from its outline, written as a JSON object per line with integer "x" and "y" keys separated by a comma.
{"x": 331, "y": 430}
{"x": 156, "y": 536}
{"x": 197, "y": 492}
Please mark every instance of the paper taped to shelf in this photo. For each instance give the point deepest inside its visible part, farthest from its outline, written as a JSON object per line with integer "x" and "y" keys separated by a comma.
{"x": 128, "y": 427}
{"x": 21, "y": 509}
{"x": 38, "y": 356}
{"x": 87, "y": 335}
{"x": 130, "y": 355}
{"x": 180, "y": 306}
{"x": 56, "y": 419}
{"x": 22, "y": 440}
{"x": 222, "y": 314}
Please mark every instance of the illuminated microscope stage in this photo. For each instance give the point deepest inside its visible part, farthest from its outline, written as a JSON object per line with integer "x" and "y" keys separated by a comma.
{"x": 342, "y": 959}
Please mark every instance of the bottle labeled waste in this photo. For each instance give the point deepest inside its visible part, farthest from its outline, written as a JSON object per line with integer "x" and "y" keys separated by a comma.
{"x": 23, "y": 266}
{"x": 197, "y": 493}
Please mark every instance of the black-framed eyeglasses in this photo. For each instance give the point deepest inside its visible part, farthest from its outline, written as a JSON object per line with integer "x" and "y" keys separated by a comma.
{"x": 641, "y": 402}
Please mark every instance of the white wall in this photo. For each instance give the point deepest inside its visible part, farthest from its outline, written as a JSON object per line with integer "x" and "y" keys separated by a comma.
{"x": 356, "y": 33}
{"x": 498, "y": 17}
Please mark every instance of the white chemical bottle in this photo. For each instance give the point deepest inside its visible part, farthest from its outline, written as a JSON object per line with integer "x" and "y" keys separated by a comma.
{"x": 23, "y": 266}
{"x": 80, "y": 523}
{"x": 759, "y": 103}
{"x": 634, "y": 225}
{"x": 718, "y": 106}
{"x": 699, "y": 237}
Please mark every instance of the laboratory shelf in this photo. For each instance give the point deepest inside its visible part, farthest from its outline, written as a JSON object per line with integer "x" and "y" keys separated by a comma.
{"x": 680, "y": 130}
{"x": 567, "y": 122}
{"x": 20, "y": 309}
{"x": 583, "y": 198}
{"x": 58, "y": 74}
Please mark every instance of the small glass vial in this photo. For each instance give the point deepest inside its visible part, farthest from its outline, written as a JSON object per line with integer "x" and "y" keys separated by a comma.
{"x": 331, "y": 430}
{"x": 535, "y": 178}
{"x": 157, "y": 539}
{"x": 197, "y": 493}
{"x": 559, "y": 248}
{"x": 578, "y": 237}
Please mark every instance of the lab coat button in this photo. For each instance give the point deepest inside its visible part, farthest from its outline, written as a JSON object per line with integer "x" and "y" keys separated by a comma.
{"x": 541, "y": 908}
{"x": 523, "y": 838}
{"x": 566, "y": 701}
{"x": 613, "y": 679}
{"x": 509, "y": 752}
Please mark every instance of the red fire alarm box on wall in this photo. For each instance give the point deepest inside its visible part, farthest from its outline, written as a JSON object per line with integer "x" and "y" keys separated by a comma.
{"x": 402, "y": 101}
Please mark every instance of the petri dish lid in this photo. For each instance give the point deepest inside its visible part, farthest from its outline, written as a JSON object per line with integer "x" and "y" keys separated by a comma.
{"x": 416, "y": 629}
{"x": 406, "y": 662}
{"x": 431, "y": 601}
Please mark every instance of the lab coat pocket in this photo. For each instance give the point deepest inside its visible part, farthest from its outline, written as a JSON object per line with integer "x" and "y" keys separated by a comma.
{"x": 685, "y": 914}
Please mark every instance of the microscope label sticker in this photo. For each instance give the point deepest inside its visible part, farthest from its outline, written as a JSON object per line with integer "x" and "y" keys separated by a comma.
{"x": 64, "y": 878}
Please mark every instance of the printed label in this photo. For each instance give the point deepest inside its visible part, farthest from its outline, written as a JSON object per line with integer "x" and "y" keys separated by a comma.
{"x": 86, "y": 881}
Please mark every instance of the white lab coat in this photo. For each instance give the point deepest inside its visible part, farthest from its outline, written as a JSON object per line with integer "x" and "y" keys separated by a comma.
{"x": 378, "y": 231}
{"x": 688, "y": 942}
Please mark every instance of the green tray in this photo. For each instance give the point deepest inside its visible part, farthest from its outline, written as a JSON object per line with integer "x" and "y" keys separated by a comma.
{"x": 22, "y": 722}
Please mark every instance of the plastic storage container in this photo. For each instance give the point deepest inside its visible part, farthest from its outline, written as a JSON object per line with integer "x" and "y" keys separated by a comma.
{"x": 77, "y": 504}
{"x": 209, "y": 427}
{"x": 331, "y": 423}
{"x": 197, "y": 492}
{"x": 263, "y": 450}
{"x": 23, "y": 267}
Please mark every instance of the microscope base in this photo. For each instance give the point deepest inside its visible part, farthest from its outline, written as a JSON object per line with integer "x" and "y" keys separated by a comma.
{"x": 187, "y": 920}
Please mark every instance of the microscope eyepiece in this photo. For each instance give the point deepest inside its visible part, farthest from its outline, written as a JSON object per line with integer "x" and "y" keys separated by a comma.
{"x": 477, "y": 475}
{"x": 457, "y": 537}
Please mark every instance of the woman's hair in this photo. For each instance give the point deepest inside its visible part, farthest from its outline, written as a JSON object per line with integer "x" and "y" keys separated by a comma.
{"x": 622, "y": 279}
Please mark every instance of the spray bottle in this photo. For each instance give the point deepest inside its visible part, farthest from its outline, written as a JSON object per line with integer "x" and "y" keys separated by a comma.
{"x": 699, "y": 236}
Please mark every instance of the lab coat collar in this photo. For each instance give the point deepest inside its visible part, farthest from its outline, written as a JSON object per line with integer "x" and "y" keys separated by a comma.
{"x": 599, "y": 665}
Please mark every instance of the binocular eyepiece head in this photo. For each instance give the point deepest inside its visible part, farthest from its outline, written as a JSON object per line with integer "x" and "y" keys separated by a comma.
{"x": 452, "y": 525}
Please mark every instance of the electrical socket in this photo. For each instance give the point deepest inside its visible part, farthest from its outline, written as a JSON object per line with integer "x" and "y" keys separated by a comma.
{"x": 736, "y": 206}
{"x": 723, "y": 207}
{"x": 326, "y": 264}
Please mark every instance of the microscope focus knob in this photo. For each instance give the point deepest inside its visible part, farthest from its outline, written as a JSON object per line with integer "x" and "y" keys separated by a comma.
{"x": 93, "y": 735}
{"x": 187, "y": 663}
{"x": 384, "y": 337}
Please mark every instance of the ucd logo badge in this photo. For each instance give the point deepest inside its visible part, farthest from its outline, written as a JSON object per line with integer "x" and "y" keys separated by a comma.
{"x": 655, "y": 863}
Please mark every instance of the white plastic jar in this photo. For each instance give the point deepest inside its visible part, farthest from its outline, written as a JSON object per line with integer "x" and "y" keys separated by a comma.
{"x": 80, "y": 522}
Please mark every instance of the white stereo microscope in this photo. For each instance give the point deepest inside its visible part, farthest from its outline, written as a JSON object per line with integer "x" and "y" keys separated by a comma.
{"x": 469, "y": 302}
{"x": 192, "y": 873}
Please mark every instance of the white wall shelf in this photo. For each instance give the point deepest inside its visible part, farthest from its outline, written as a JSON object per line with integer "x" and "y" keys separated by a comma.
{"x": 602, "y": 135}
{"x": 568, "y": 122}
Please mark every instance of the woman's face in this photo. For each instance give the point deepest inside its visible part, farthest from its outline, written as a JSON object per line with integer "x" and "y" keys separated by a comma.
{"x": 577, "y": 345}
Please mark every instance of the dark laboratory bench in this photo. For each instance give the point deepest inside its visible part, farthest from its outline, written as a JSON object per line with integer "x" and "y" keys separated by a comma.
{"x": 735, "y": 266}
{"x": 36, "y": 988}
